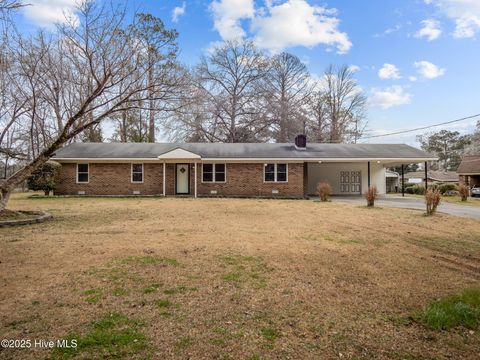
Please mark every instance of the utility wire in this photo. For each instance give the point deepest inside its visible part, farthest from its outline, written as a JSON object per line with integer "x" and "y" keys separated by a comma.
{"x": 420, "y": 128}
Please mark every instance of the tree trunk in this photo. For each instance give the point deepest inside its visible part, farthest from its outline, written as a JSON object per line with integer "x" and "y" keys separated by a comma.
{"x": 151, "y": 120}
{"x": 46, "y": 192}
{"x": 5, "y": 195}
{"x": 123, "y": 128}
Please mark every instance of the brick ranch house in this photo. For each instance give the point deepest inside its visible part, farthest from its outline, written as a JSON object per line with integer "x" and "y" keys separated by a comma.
{"x": 469, "y": 170}
{"x": 221, "y": 169}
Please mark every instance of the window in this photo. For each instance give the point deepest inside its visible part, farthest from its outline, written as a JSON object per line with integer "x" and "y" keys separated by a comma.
{"x": 276, "y": 173}
{"x": 213, "y": 172}
{"x": 137, "y": 173}
{"x": 82, "y": 173}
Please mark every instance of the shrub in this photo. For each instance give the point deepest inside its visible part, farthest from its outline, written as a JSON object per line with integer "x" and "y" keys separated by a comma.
{"x": 432, "y": 200}
{"x": 447, "y": 188}
{"x": 463, "y": 191}
{"x": 371, "y": 195}
{"x": 324, "y": 191}
{"x": 416, "y": 189}
{"x": 409, "y": 189}
{"x": 45, "y": 178}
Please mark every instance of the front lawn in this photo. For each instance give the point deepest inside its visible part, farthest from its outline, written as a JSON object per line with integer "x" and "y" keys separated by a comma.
{"x": 155, "y": 278}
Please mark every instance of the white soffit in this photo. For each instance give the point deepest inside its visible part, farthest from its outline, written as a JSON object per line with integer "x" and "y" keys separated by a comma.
{"x": 179, "y": 153}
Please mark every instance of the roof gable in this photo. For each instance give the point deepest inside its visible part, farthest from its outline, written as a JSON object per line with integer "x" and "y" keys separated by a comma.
{"x": 179, "y": 153}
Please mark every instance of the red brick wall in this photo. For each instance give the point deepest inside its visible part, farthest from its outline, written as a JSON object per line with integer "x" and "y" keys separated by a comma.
{"x": 247, "y": 180}
{"x": 110, "y": 179}
{"x": 242, "y": 180}
{"x": 469, "y": 180}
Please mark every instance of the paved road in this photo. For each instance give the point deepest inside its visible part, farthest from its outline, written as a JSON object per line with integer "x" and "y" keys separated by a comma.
{"x": 468, "y": 211}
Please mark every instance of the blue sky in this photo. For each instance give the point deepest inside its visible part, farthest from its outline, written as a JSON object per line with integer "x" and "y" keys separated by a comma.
{"x": 417, "y": 60}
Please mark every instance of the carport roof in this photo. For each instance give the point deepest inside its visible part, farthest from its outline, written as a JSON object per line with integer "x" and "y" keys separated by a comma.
{"x": 243, "y": 151}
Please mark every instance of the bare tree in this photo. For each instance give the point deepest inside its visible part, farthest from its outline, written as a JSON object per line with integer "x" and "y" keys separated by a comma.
{"x": 9, "y": 5}
{"x": 287, "y": 87}
{"x": 474, "y": 147}
{"x": 343, "y": 109}
{"x": 160, "y": 52}
{"x": 71, "y": 81}
{"x": 130, "y": 126}
{"x": 227, "y": 98}
{"x": 318, "y": 123}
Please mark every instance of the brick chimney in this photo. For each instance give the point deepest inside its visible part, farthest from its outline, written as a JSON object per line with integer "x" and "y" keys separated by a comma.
{"x": 301, "y": 142}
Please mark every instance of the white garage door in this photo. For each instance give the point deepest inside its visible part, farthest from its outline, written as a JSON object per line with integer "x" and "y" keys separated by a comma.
{"x": 350, "y": 182}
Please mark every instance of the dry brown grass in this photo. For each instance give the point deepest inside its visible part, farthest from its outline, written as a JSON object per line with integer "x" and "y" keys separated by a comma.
{"x": 220, "y": 278}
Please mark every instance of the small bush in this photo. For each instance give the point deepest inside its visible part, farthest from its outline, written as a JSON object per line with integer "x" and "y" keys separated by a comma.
{"x": 416, "y": 189}
{"x": 447, "y": 188}
{"x": 409, "y": 190}
{"x": 459, "y": 310}
{"x": 432, "y": 200}
{"x": 463, "y": 191}
{"x": 324, "y": 191}
{"x": 371, "y": 195}
{"x": 45, "y": 178}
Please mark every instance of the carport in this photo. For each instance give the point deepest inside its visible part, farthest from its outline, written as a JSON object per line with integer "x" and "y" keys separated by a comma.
{"x": 355, "y": 176}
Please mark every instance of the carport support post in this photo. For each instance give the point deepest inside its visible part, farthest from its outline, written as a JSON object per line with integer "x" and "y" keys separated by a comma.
{"x": 195, "y": 174}
{"x": 164, "y": 177}
{"x": 426, "y": 176}
{"x": 368, "y": 172}
{"x": 403, "y": 181}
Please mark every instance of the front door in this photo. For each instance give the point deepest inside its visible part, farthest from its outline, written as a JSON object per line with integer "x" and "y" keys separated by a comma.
{"x": 182, "y": 179}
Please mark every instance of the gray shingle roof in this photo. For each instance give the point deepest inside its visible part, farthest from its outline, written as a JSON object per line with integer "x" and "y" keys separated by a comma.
{"x": 241, "y": 150}
{"x": 470, "y": 165}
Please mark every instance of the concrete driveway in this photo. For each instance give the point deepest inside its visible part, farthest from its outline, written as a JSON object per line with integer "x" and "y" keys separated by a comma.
{"x": 468, "y": 211}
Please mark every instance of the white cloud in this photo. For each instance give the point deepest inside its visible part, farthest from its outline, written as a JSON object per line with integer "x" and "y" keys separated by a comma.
{"x": 280, "y": 24}
{"x": 389, "y": 97}
{"x": 389, "y": 71}
{"x": 49, "y": 12}
{"x": 297, "y": 23}
{"x": 354, "y": 68}
{"x": 465, "y": 13}
{"x": 430, "y": 30}
{"x": 178, "y": 11}
{"x": 227, "y": 15}
{"x": 429, "y": 70}
{"x": 412, "y": 78}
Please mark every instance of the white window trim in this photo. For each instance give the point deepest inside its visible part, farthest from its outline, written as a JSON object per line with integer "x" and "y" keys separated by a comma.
{"x": 213, "y": 175}
{"x": 275, "y": 173}
{"x": 131, "y": 173}
{"x": 88, "y": 173}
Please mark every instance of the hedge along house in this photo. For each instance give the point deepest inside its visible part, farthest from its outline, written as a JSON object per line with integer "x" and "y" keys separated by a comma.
{"x": 233, "y": 169}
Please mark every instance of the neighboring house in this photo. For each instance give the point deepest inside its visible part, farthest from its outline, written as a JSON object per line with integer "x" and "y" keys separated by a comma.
{"x": 469, "y": 170}
{"x": 224, "y": 169}
{"x": 392, "y": 181}
{"x": 418, "y": 177}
